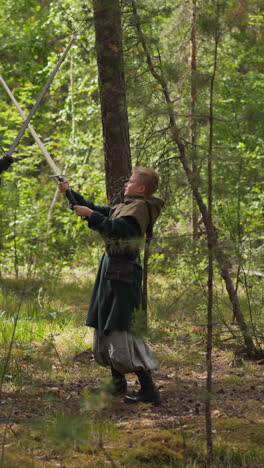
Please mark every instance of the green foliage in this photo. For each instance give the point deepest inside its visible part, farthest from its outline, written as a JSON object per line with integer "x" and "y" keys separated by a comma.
{"x": 35, "y": 232}
{"x": 69, "y": 119}
{"x": 37, "y": 237}
{"x": 73, "y": 431}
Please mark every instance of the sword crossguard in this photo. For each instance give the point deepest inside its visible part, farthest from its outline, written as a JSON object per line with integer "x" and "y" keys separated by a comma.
{"x": 59, "y": 176}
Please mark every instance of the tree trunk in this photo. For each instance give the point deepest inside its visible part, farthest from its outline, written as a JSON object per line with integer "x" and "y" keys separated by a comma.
{"x": 112, "y": 88}
{"x": 210, "y": 282}
{"x": 193, "y": 128}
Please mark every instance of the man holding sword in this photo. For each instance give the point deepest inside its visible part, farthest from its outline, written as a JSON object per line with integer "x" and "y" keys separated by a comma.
{"x": 117, "y": 291}
{"x": 117, "y": 295}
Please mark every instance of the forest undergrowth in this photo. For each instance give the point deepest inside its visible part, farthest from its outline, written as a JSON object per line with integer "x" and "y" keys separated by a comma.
{"x": 50, "y": 416}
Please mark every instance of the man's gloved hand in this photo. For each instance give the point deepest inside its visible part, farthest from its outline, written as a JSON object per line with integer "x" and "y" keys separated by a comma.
{"x": 5, "y": 162}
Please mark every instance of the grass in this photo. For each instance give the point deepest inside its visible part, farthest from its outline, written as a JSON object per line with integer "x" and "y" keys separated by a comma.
{"x": 51, "y": 417}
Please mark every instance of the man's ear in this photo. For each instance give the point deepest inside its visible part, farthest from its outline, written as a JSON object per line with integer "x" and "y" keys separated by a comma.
{"x": 142, "y": 189}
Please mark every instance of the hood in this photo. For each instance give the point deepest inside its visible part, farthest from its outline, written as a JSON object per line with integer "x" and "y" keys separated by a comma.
{"x": 144, "y": 209}
{"x": 155, "y": 206}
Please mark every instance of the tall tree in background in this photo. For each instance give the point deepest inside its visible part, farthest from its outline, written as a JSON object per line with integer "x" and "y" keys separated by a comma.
{"x": 193, "y": 126}
{"x": 107, "y": 17}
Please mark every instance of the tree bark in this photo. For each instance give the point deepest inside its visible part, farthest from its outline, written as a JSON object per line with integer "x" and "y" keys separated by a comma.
{"x": 112, "y": 88}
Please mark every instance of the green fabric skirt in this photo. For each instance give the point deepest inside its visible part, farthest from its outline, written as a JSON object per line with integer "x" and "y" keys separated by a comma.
{"x": 113, "y": 302}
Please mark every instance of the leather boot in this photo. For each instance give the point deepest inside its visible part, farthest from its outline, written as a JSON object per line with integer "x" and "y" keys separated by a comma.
{"x": 119, "y": 382}
{"x": 148, "y": 392}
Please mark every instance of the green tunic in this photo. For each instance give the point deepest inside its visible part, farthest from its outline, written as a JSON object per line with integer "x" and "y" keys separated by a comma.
{"x": 123, "y": 228}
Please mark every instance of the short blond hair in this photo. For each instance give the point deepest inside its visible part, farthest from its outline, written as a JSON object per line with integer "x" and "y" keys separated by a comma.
{"x": 147, "y": 177}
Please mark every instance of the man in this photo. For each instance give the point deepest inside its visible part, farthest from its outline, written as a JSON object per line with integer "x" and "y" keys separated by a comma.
{"x": 5, "y": 162}
{"x": 116, "y": 298}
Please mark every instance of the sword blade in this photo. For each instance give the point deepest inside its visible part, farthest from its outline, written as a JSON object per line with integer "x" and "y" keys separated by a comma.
{"x": 38, "y": 101}
{"x": 41, "y": 145}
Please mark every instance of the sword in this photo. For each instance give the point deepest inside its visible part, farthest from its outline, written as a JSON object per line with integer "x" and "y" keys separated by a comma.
{"x": 38, "y": 101}
{"x": 41, "y": 146}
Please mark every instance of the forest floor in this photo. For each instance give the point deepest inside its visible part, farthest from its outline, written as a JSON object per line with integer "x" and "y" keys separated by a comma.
{"x": 49, "y": 417}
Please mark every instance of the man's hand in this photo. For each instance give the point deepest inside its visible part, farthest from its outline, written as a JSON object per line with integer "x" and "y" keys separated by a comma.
{"x": 63, "y": 186}
{"x": 5, "y": 162}
{"x": 83, "y": 211}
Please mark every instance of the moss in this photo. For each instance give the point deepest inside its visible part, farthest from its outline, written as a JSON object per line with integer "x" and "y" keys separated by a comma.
{"x": 18, "y": 460}
{"x": 230, "y": 458}
{"x": 154, "y": 454}
{"x": 158, "y": 449}
{"x": 224, "y": 456}
{"x": 232, "y": 380}
{"x": 247, "y": 434}
{"x": 164, "y": 448}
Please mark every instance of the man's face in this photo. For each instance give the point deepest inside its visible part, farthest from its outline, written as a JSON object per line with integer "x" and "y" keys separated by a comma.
{"x": 133, "y": 187}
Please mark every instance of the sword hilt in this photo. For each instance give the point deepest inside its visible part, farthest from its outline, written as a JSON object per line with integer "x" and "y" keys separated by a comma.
{"x": 71, "y": 197}
{"x": 68, "y": 194}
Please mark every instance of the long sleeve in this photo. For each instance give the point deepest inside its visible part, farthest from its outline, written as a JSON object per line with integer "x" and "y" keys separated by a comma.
{"x": 103, "y": 209}
{"x": 122, "y": 234}
{"x": 124, "y": 227}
